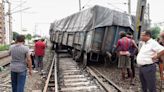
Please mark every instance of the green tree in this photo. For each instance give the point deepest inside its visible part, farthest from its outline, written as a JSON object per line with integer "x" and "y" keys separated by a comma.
{"x": 155, "y": 32}
{"x": 28, "y": 36}
{"x": 15, "y": 35}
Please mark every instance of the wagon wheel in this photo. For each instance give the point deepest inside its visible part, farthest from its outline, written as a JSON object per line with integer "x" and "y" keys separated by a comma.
{"x": 56, "y": 47}
{"x": 85, "y": 60}
{"x": 53, "y": 47}
{"x": 69, "y": 51}
{"x": 107, "y": 59}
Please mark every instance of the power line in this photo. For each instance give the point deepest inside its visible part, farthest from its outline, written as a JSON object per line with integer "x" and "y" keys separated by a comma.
{"x": 19, "y": 5}
{"x": 86, "y": 4}
{"x": 127, "y": 2}
{"x": 115, "y": 7}
{"x": 107, "y": 1}
{"x": 21, "y": 10}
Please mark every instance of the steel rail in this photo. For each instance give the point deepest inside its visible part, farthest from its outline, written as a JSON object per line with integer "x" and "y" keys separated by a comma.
{"x": 49, "y": 75}
{"x": 98, "y": 74}
{"x": 105, "y": 83}
{"x": 55, "y": 73}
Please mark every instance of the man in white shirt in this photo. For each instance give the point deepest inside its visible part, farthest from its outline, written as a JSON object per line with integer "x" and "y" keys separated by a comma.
{"x": 146, "y": 58}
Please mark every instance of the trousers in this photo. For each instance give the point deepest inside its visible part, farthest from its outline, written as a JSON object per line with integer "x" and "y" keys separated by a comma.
{"x": 18, "y": 81}
{"x": 147, "y": 76}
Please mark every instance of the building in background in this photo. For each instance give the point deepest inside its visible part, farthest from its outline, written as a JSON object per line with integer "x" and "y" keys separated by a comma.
{"x": 2, "y": 23}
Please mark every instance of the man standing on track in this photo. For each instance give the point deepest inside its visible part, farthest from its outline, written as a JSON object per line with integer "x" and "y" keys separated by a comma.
{"x": 39, "y": 53}
{"x": 133, "y": 52}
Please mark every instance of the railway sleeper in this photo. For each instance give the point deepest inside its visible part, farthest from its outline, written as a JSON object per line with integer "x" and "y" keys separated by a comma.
{"x": 74, "y": 79}
{"x": 81, "y": 88}
{"x": 51, "y": 85}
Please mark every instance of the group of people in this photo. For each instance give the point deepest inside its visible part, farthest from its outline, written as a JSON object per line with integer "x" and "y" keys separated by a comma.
{"x": 37, "y": 54}
{"x": 147, "y": 55}
{"x": 127, "y": 50}
{"x": 21, "y": 60}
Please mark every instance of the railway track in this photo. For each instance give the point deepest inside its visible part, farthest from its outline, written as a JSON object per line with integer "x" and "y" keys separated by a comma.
{"x": 4, "y": 59}
{"x": 66, "y": 76}
{"x": 4, "y": 54}
{"x": 5, "y": 82}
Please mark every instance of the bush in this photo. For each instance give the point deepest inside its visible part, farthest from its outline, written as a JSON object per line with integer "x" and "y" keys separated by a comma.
{"x": 4, "y": 47}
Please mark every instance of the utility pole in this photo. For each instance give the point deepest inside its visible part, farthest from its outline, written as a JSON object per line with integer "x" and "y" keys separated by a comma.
{"x": 21, "y": 15}
{"x": 35, "y": 29}
{"x": 10, "y": 23}
{"x": 141, "y": 5}
{"x": 79, "y": 5}
{"x": 149, "y": 21}
{"x": 129, "y": 7}
{"x": 129, "y": 11}
{"x": 2, "y": 21}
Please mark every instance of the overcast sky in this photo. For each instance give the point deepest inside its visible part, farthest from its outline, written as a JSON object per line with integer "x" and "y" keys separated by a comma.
{"x": 43, "y": 12}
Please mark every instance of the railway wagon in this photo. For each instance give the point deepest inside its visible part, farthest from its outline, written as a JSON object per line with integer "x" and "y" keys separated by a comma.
{"x": 92, "y": 34}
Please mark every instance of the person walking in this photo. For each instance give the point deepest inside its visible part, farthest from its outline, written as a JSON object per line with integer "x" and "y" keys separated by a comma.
{"x": 39, "y": 53}
{"x": 122, "y": 47}
{"x": 19, "y": 63}
{"x": 150, "y": 51}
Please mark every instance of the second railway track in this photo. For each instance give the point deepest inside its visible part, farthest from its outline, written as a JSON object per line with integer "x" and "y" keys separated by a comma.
{"x": 66, "y": 76}
{"x": 4, "y": 58}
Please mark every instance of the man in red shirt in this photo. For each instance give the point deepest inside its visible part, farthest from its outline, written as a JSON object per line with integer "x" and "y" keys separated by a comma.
{"x": 123, "y": 46}
{"x": 39, "y": 53}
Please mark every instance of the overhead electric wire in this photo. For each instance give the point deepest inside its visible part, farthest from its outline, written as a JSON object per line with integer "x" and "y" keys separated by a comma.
{"x": 19, "y": 5}
{"x": 107, "y": 1}
{"x": 21, "y": 10}
{"x": 86, "y": 3}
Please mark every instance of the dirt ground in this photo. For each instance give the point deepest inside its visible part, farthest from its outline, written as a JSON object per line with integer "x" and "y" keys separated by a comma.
{"x": 114, "y": 74}
{"x": 35, "y": 83}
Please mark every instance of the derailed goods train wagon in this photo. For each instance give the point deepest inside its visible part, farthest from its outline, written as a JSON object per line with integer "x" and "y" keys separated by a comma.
{"x": 92, "y": 34}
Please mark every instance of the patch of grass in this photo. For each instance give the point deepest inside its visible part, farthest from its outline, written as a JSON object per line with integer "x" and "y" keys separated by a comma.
{"x": 4, "y": 47}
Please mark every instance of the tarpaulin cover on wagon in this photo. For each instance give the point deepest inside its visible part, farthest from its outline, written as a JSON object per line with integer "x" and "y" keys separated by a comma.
{"x": 92, "y": 18}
